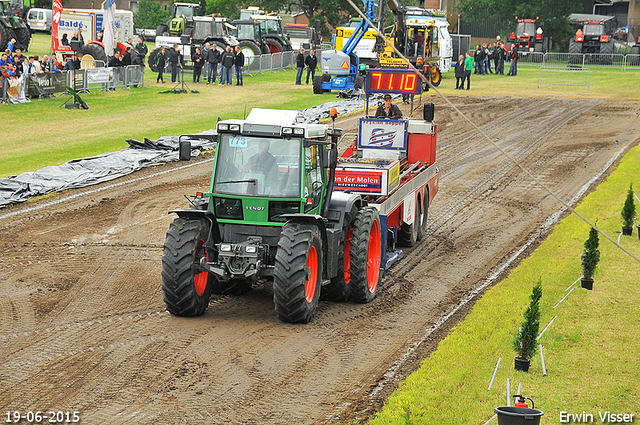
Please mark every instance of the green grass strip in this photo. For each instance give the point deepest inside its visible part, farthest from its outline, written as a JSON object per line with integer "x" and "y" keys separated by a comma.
{"x": 591, "y": 350}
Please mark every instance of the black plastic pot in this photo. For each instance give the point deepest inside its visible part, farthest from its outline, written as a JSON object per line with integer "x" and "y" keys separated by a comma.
{"x": 587, "y": 283}
{"x": 518, "y": 415}
{"x": 522, "y": 365}
{"x": 627, "y": 231}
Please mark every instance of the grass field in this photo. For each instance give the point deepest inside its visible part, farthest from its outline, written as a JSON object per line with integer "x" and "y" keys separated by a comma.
{"x": 590, "y": 350}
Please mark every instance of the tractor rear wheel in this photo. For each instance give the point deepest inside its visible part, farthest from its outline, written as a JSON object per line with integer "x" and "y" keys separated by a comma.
{"x": 338, "y": 289}
{"x": 607, "y": 51}
{"x": 162, "y": 29}
{"x": 575, "y": 52}
{"x": 23, "y": 37}
{"x": 6, "y": 34}
{"x": 366, "y": 255}
{"x": 274, "y": 46}
{"x": 153, "y": 59}
{"x": 186, "y": 290}
{"x": 250, "y": 51}
{"x": 93, "y": 56}
{"x": 298, "y": 273}
{"x": 635, "y": 60}
{"x": 317, "y": 84}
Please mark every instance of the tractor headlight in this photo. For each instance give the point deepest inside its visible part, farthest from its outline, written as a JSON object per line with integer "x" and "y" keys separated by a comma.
{"x": 234, "y": 127}
{"x": 298, "y": 131}
{"x": 287, "y": 130}
{"x": 250, "y": 249}
{"x": 225, "y": 247}
{"x": 223, "y": 127}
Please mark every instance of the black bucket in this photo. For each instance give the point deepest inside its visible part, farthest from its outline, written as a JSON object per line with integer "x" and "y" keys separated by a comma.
{"x": 518, "y": 415}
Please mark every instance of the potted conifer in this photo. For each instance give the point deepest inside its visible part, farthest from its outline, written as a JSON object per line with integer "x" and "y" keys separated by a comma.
{"x": 590, "y": 258}
{"x": 628, "y": 213}
{"x": 525, "y": 341}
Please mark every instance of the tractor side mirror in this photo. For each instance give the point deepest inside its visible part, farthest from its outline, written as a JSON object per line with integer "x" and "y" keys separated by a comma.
{"x": 184, "y": 150}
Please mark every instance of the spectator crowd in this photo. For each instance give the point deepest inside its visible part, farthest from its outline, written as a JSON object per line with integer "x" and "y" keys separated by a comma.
{"x": 206, "y": 62}
{"x": 481, "y": 60}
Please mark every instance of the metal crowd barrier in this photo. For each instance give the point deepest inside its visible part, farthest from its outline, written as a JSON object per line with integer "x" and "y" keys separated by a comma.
{"x": 566, "y": 76}
{"x": 631, "y": 62}
{"x": 581, "y": 59}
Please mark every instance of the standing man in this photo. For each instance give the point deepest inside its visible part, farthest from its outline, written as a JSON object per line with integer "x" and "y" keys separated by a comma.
{"x": 175, "y": 60}
{"x": 311, "y": 61}
{"x": 212, "y": 57}
{"x": 459, "y": 72}
{"x": 468, "y": 67}
{"x": 239, "y": 63}
{"x": 142, "y": 50}
{"x": 300, "y": 65}
{"x": 513, "y": 66}
{"x": 198, "y": 62}
{"x": 478, "y": 57}
{"x": 226, "y": 61}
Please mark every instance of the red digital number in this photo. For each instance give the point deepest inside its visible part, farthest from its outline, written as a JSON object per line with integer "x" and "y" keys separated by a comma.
{"x": 379, "y": 76}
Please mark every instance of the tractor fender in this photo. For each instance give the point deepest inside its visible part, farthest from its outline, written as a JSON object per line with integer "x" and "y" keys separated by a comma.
{"x": 206, "y": 215}
{"x": 341, "y": 203}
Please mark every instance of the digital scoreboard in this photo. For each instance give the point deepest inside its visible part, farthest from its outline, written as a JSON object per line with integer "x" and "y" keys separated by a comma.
{"x": 402, "y": 81}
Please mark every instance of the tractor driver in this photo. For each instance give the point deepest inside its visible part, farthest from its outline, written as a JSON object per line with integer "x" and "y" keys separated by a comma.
{"x": 388, "y": 109}
{"x": 263, "y": 162}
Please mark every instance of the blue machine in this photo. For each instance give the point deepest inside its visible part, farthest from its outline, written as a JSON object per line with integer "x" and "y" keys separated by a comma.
{"x": 340, "y": 70}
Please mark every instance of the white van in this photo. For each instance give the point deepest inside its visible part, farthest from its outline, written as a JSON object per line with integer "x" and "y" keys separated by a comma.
{"x": 40, "y": 19}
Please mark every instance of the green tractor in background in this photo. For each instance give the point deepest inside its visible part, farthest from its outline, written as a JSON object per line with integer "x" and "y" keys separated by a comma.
{"x": 13, "y": 26}
{"x": 181, "y": 19}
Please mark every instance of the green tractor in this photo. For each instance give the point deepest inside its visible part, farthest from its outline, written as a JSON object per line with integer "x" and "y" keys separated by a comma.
{"x": 282, "y": 206}
{"x": 271, "y": 213}
{"x": 181, "y": 19}
{"x": 12, "y": 26}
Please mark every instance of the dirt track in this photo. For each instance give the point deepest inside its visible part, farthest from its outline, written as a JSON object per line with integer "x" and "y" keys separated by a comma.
{"x": 82, "y": 321}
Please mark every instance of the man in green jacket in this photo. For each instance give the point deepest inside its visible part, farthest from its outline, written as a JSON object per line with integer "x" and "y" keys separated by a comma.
{"x": 468, "y": 67}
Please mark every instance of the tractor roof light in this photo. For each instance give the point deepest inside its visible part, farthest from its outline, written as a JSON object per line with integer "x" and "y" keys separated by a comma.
{"x": 235, "y": 128}
{"x": 298, "y": 131}
{"x": 287, "y": 130}
{"x": 223, "y": 127}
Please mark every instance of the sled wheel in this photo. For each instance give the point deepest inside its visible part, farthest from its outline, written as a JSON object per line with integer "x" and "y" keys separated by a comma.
{"x": 186, "y": 289}
{"x": 366, "y": 245}
{"x": 423, "y": 214}
{"x": 436, "y": 76}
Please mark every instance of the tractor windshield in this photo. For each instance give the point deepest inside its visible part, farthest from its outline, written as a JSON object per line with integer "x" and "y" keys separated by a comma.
{"x": 187, "y": 11}
{"x": 271, "y": 26}
{"x": 246, "y": 32}
{"x": 528, "y": 28}
{"x": 258, "y": 166}
{"x": 593, "y": 29}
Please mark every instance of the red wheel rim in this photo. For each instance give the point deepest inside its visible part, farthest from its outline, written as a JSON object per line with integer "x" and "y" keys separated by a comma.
{"x": 310, "y": 284}
{"x": 347, "y": 256}
{"x": 273, "y": 48}
{"x": 373, "y": 257}
{"x": 200, "y": 279}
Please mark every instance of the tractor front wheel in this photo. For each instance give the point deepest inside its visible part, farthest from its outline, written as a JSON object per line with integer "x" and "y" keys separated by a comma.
{"x": 298, "y": 273}
{"x": 186, "y": 290}
{"x": 366, "y": 255}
